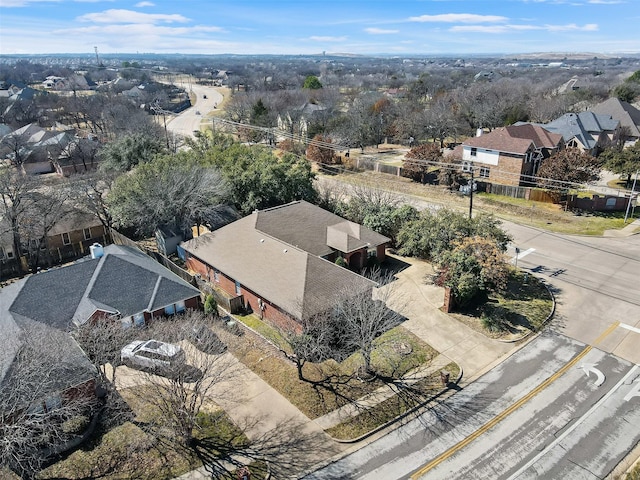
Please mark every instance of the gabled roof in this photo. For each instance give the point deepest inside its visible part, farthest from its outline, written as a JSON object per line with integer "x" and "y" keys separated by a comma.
{"x": 500, "y": 140}
{"x": 295, "y": 280}
{"x": 124, "y": 281}
{"x": 582, "y": 126}
{"x": 307, "y": 226}
{"x": 625, "y": 113}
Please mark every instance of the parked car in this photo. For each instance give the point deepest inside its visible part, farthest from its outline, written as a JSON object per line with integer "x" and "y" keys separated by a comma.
{"x": 205, "y": 340}
{"x": 232, "y": 325}
{"x": 152, "y": 354}
{"x": 197, "y": 112}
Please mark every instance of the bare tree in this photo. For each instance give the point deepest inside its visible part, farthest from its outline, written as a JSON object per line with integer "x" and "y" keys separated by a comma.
{"x": 185, "y": 391}
{"x": 14, "y": 191}
{"x": 34, "y": 414}
{"x": 364, "y": 317}
{"x": 175, "y": 191}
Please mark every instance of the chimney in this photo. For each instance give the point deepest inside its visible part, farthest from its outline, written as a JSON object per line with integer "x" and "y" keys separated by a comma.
{"x": 96, "y": 250}
{"x": 479, "y": 132}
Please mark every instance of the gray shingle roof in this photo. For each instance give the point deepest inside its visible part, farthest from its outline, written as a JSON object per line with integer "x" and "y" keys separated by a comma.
{"x": 625, "y": 113}
{"x": 582, "y": 126}
{"x": 52, "y": 297}
{"x": 123, "y": 281}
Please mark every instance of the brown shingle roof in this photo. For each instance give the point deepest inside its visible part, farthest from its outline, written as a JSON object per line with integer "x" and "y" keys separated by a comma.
{"x": 516, "y": 139}
{"x": 297, "y": 281}
{"x": 305, "y": 226}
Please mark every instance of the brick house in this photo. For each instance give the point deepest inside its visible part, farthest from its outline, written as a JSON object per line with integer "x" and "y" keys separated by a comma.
{"x": 117, "y": 283}
{"x": 281, "y": 260}
{"x": 509, "y": 155}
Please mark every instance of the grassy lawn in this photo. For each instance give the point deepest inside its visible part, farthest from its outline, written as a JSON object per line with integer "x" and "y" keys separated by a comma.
{"x": 521, "y": 309}
{"x": 392, "y": 407}
{"x": 266, "y": 330}
{"x": 537, "y": 214}
{"x": 315, "y": 400}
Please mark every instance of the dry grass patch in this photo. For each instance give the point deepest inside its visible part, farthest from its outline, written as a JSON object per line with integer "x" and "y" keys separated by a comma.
{"x": 393, "y": 407}
{"x": 522, "y": 308}
{"x": 336, "y": 384}
{"x": 537, "y": 214}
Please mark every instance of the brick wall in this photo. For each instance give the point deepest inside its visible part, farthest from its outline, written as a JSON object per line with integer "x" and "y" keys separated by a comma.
{"x": 511, "y": 167}
{"x": 271, "y": 313}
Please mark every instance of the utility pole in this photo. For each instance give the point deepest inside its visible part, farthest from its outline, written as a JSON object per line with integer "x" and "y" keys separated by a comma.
{"x": 633, "y": 189}
{"x": 471, "y": 194}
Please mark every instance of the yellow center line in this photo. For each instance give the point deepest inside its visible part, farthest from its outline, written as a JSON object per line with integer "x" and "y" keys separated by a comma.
{"x": 505, "y": 413}
{"x": 604, "y": 334}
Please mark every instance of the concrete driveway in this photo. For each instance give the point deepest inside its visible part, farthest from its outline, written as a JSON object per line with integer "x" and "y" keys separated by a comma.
{"x": 420, "y": 302}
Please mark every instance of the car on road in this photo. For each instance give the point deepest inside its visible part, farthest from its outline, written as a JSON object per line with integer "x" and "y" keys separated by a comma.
{"x": 197, "y": 112}
{"x": 152, "y": 354}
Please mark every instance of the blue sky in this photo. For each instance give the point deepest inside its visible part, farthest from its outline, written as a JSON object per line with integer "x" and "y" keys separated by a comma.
{"x": 431, "y": 27}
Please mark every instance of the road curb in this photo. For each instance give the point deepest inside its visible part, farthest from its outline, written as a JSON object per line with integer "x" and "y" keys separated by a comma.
{"x": 546, "y": 320}
{"x": 399, "y": 417}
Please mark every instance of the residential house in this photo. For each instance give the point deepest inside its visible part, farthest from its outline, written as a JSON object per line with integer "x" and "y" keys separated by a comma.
{"x": 626, "y": 114}
{"x": 73, "y": 234}
{"x": 297, "y": 121}
{"x": 281, "y": 260}
{"x": 117, "y": 283}
{"x": 33, "y": 149}
{"x": 587, "y": 131}
{"x": 509, "y": 155}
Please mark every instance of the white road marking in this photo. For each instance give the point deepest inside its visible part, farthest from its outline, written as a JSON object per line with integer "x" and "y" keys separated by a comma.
{"x": 591, "y": 367}
{"x": 523, "y": 254}
{"x": 575, "y": 425}
{"x": 629, "y": 327}
{"x": 635, "y": 391}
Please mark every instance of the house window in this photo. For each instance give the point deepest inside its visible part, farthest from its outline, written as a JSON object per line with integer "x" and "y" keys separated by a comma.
{"x": 180, "y": 307}
{"x": 138, "y": 319}
{"x": 372, "y": 252}
{"x": 238, "y": 290}
{"x": 484, "y": 172}
{"x": 87, "y": 233}
{"x": 66, "y": 240}
{"x": 216, "y": 275}
{"x": 474, "y": 152}
{"x": 170, "y": 309}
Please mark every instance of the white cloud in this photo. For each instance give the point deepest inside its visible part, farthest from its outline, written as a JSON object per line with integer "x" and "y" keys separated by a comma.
{"x": 379, "y": 31}
{"x": 327, "y": 39}
{"x": 590, "y": 27}
{"x": 606, "y": 2}
{"x": 129, "y": 16}
{"x": 145, "y": 4}
{"x": 459, "y": 18}
{"x": 23, "y": 3}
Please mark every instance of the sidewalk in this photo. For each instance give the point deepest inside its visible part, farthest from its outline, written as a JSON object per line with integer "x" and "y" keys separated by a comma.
{"x": 421, "y": 302}
{"x": 345, "y": 412}
{"x": 631, "y": 229}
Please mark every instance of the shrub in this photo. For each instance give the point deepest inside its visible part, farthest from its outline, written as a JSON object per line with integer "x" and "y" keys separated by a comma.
{"x": 341, "y": 262}
{"x": 494, "y": 319}
{"x": 210, "y": 305}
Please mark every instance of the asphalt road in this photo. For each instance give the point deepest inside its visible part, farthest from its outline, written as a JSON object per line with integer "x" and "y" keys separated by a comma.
{"x": 598, "y": 420}
{"x": 595, "y": 280}
{"x": 189, "y": 120}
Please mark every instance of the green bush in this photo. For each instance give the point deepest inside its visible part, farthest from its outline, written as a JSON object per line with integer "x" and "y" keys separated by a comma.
{"x": 341, "y": 262}
{"x": 210, "y": 305}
